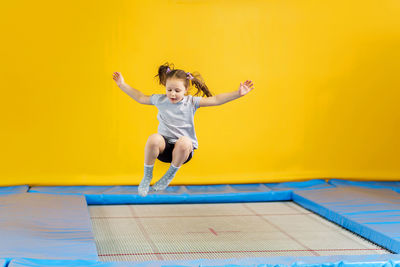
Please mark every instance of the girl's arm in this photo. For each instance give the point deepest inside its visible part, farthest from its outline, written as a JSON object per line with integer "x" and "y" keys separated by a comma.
{"x": 220, "y": 99}
{"x": 135, "y": 94}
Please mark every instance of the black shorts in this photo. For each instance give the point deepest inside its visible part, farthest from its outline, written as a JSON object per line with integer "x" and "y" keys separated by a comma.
{"x": 166, "y": 156}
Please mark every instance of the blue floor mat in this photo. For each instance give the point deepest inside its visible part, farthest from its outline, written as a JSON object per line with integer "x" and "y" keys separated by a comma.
{"x": 13, "y": 189}
{"x": 371, "y": 213}
{"x": 45, "y": 226}
{"x": 395, "y": 186}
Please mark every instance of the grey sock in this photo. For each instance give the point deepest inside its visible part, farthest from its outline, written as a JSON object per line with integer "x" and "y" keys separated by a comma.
{"x": 144, "y": 185}
{"x": 166, "y": 179}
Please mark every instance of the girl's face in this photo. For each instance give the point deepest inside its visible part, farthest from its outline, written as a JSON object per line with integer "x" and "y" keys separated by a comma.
{"x": 175, "y": 90}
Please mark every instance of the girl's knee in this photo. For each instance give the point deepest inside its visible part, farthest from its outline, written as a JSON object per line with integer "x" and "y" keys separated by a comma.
{"x": 156, "y": 140}
{"x": 184, "y": 143}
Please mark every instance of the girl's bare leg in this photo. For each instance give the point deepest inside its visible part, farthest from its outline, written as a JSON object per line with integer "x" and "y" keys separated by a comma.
{"x": 154, "y": 146}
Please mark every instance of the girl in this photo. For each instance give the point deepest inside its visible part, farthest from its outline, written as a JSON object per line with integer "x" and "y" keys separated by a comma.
{"x": 176, "y": 139}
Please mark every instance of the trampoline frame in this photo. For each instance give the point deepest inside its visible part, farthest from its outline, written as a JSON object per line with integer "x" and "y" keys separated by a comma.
{"x": 302, "y": 193}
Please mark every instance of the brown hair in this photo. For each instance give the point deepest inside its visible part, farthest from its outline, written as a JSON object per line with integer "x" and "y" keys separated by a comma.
{"x": 197, "y": 80}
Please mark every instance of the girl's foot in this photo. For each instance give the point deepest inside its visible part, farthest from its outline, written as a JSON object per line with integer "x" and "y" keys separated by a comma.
{"x": 144, "y": 185}
{"x": 163, "y": 183}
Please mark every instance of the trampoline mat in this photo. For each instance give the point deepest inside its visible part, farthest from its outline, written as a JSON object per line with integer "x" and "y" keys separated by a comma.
{"x": 219, "y": 231}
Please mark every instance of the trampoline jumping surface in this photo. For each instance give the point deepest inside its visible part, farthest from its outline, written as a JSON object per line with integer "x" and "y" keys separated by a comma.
{"x": 219, "y": 231}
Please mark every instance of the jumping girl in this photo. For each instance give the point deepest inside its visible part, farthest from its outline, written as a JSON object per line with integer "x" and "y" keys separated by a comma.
{"x": 176, "y": 139}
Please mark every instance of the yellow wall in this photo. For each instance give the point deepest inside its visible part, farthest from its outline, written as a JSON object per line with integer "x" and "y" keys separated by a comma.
{"x": 325, "y": 103}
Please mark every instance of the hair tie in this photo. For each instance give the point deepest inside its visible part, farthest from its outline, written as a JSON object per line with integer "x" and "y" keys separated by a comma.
{"x": 189, "y": 75}
{"x": 168, "y": 69}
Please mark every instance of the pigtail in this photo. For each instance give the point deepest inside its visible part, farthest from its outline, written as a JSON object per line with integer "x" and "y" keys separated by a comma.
{"x": 200, "y": 85}
{"x": 163, "y": 70}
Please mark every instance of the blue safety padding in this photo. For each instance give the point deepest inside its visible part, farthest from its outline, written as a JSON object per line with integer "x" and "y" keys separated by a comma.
{"x": 45, "y": 226}
{"x": 324, "y": 261}
{"x": 395, "y": 186}
{"x": 371, "y": 213}
{"x": 306, "y": 185}
{"x": 13, "y": 189}
{"x": 99, "y": 195}
{"x": 3, "y": 263}
{"x": 25, "y": 262}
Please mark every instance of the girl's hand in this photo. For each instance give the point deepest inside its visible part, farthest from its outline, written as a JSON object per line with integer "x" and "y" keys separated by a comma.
{"x": 245, "y": 87}
{"x": 117, "y": 77}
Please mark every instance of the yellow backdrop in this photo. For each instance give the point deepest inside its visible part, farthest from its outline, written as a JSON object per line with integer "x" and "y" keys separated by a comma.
{"x": 325, "y": 103}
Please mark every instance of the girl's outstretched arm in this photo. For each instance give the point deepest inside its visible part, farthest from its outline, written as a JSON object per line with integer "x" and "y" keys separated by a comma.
{"x": 135, "y": 94}
{"x": 223, "y": 98}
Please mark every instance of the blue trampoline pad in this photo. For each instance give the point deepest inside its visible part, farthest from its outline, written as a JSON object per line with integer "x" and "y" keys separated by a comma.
{"x": 371, "y": 213}
{"x": 305, "y": 185}
{"x": 395, "y": 186}
{"x": 13, "y": 189}
{"x": 25, "y": 262}
{"x": 46, "y": 227}
{"x": 99, "y": 195}
{"x": 328, "y": 261}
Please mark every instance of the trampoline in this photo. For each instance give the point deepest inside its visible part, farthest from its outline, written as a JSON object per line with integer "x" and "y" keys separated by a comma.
{"x": 219, "y": 231}
{"x": 218, "y": 225}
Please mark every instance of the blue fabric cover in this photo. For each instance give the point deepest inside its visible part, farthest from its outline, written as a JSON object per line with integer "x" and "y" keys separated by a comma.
{"x": 173, "y": 194}
{"x": 45, "y": 226}
{"x": 52, "y": 263}
{"x": 186, "y": 194}
{"x": 326, "y": 261}
{"x": 13, "y": 189}
{"x": 371, "y": 213}
{"x": 306, "y": 185}
{"x": 395, "y": 186}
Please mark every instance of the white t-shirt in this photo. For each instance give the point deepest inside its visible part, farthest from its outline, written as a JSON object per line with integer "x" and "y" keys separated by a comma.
{"x": 176, "y": 119}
